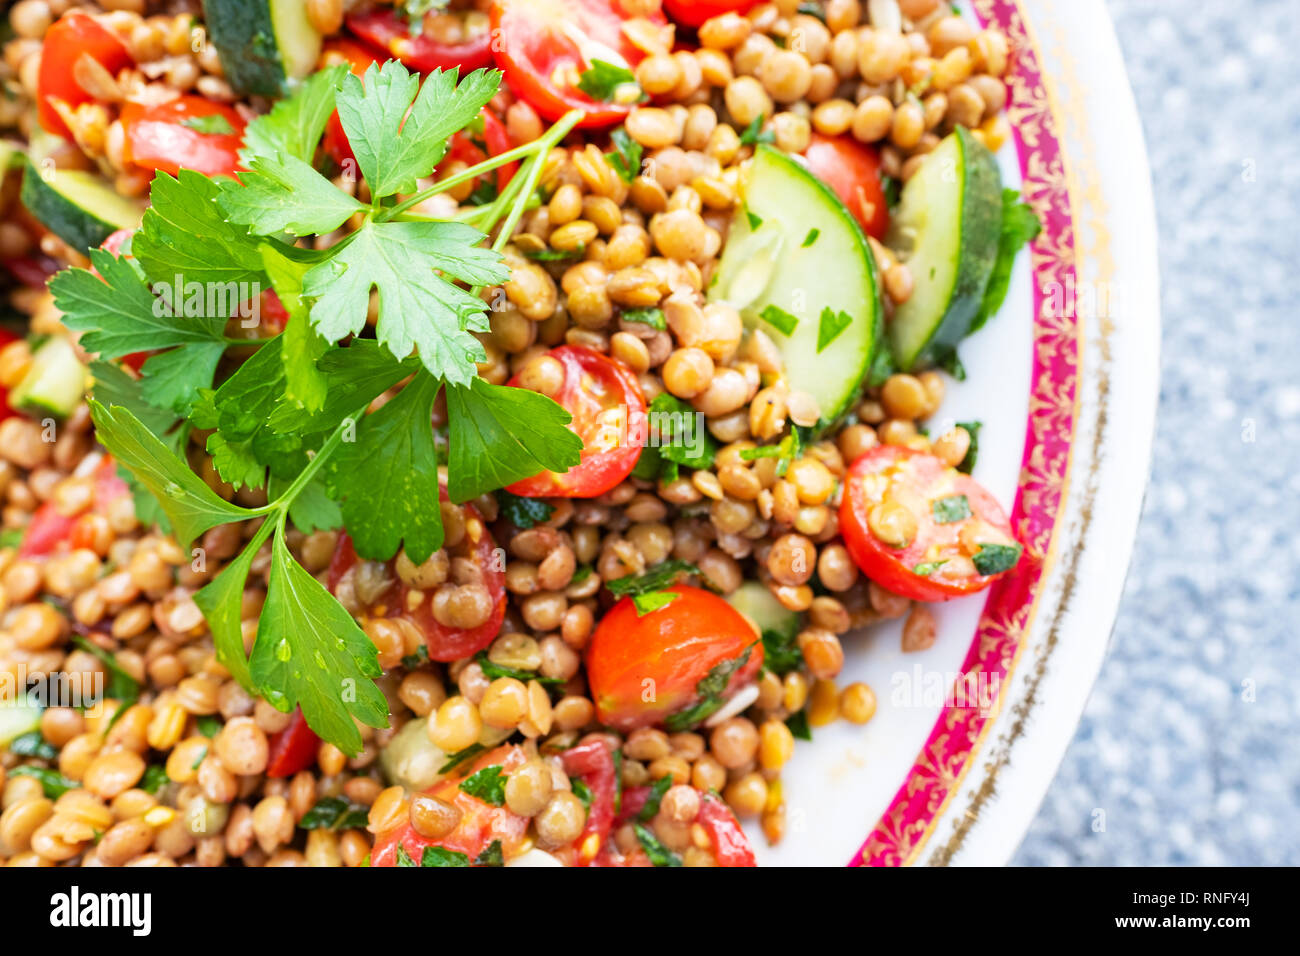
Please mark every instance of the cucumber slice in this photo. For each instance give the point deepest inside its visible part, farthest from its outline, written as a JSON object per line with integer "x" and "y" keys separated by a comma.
{"x": 263, "y": 45}
{"x": 794, "y": 252}
{"x": 55, "y": 383}
{"x": 946, "y": 229}
{"x": 18, "y": 717}
{"x": 81, "y": 208}
{"x": 760, "y": 605}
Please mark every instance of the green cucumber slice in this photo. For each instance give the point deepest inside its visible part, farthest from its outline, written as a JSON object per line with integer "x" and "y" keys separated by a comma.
{"x": 797, "y": 265}
{"x": 56, "y": 382}
{"x": 946, "y": 229}
{"x": 83, "y": 209}
{"x": 263, "y": 45}
{"x": 760, "y": 605}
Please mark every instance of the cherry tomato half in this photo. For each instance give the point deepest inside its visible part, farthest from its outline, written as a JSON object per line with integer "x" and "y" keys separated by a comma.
{"x": 950, "y": 515}
{"x": 171, "y": 135}
{"x": 480, "y": 822}
{"x": 5, "y": 411}
{"x": 543, "y": 47}
{"x": 609, "y": 415}
{"x": 693, "y": 13}
{"x": 65, "y": 42}
{"x": 852, "y": 170}
{"x": 49, "y": 530}
{"x": 292, "y": 749}
{"x": 384, "y": 29}
{"x": 375, "y": 586}
{"x": 592, "y": 762}
{"x": 729, "y": 843}
{"x": 675, "y": 646}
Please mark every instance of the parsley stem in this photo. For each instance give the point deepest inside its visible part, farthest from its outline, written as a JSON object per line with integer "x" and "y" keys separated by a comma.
{"x": 305, "y": 476}
{"x": 526, "y": 151}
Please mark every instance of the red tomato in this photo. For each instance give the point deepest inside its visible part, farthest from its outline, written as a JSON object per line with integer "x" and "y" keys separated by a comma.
{"x": 358, "y": 56}
{"x": 593, "y": 763}
{"x": 386, "y": 30}
{"x": 472, "y": 149}
{"x": 158, "y": 137}
{"x": 692, "y": 13}
{"x": 292, "y": 749}
{"x": 480, "y": 822}
{"x": 915, "y": 481}
{"x": 675, "y": 646}
{"x": 609, "y": 415}
{"x": 444, "y": 643}
{"x": 50, "y": 531}
{"x": 543, "y": 46}
{"x": 65, "y": 42}
{"x": 852, "y": 170}
{"x": 730, "y": 845}
{"x": 5, "y": 411}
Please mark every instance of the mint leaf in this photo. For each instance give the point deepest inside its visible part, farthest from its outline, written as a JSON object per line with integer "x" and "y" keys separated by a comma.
{"x": 649, "y": 601}
{"x": 412, "y": 265}
{"x": 779, "y": 319}
{"x": 1019, "y": 225}
{"x": 441, "y": 856}
{"x": 311, "y": 653}
{"x": 662, "y": 575}
{"x": 492, "y": 855}
{"x": 398, "y": 127}
{"x": 523, "y": 512}
{"x": 602, "y": 79}
{"x": 710, "y": 689}
{"x": 190, "y": 504}
{"x": 499, "y": 434}
{"x": 754, "y": 133}
{"x": 387, "y": 479}
{"x": 830, "y": 326}
{"x": 625, "y": 157}
{"x": 996, "y": 558}
{"x": 488, "y": 785}
{"x": 781, "y": 653}
{"x": 213, "y": 124}
{"x": 659, "y": 854}
{"x": 653, "y": 799}
{"x": 967, "y": 464}
{"x": 950, "y": 509}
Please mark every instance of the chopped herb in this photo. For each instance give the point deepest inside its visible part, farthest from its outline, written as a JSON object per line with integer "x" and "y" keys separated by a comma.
{"x": 625, "y": 157}
{"x": 523, "y": 512}
{"x": 404, "y": 858}
{"x": 659, "y": 854}
{"x": 581, "y": 574}
{"x": 495, "y": 671}
{"x": 618, "y": 781}
{"x": 32, "y": 744}
{"x": 996, "y": 558}
{"x": 812, "y": 9}
{"x": 882, "y": 366}
{"x": 460, "y": 756}
{"x": 1019, "y": 225}
{"x": 555, "y": 255}
{"x": 653, "y": 798}
{"x": 779, "y": 319}
{"x": 787, "y": 450}
{"x": 781, "y": 653}
{"x": 412, "y": 661}
{"x": 485, "y": 191}
{"x": 809, "y": 239}
{"x": 441, "y": 856}
{"x": 334, "y": 813}
{"x": 710, "y": 690}
{"x": 831, "y": 325}
{"x": 492, "y": 855}
{"x": 581, "y": 791}
{"x": 208, "y": 725}
{"x": 798, "y": 724}
{"x": 946, "y": 359}
{"x": 155, "y": 778}
{"x": 214, "y": 124}
{"x": 754, "y": 133}
{"x": 892, "y": 187}
{"x": 11, "y": 537}
{"x": 602, "y": 80}
{"x": 678, "y": 437}
{"x": 199, "y": 759}
{"x": 649, "y": 601}
{"x": 754, "y": 220}
{"x": 121, "y": 685}
{"x": 662, "y": 575}
{"x": 950, "y": 509}
{"x": 927, "y": 568}
{"x": 967, "y": 464}
{"x": 52, "y": 782}
{"x": 489, "y": 785}
{"x": 651, "y": 316}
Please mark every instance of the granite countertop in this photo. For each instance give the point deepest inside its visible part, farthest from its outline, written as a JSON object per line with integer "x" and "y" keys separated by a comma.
{"x": 1188, "y": 742}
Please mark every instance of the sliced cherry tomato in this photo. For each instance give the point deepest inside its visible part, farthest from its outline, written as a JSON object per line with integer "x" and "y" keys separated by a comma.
{"x": 74, "y": 34}
{"x": 593, "y": 763}
{"x": 730, "y": 845}
{"x": 609, "y": 415}
{"x": 169, "y": 136}
{"x": 852, "y": 170}
{"x": 480, "y": 823}
{"x": 676, "y": 646}
{"x": 358, "y": 56}
{"x": 544, "y": 46}
{"x": 473, "y": 148}
{"x": 5, "y": 411}
{"x": 384, "y": 29}
{"x": 51, "y": 531}
{"x": 693, "y": 13}
{"x": 292, "y": 749}
{"x": 350, "y": 579}
{"x": 951, "y": 516}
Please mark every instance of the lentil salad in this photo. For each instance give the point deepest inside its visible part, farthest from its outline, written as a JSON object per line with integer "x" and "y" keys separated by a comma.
{"x": 576, "y": 628}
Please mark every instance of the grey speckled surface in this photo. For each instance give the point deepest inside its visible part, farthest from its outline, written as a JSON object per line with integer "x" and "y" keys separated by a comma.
{"x": 1188, "y": 743}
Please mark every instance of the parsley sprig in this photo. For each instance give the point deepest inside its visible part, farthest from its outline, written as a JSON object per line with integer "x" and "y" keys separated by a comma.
{"x": 294, "y": 417}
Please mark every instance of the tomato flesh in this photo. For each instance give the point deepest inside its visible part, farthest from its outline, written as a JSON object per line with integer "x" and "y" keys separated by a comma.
{"x": 384, "y": 29}
{"x": 65, "y": 42}
{"x": 543, "y": 47}
{"x": 444, "y": 643}
{"x": 609, "y": 415}
{"x": 158, "y": 137}
{"x": 675, "y": 647}
{"x": 480, "y": 823}
{"x": 852, "y": 170}
{"x": 49, "y": 531}
{"x": 728, "y": 841}
{"x": 693, "y": 13}
{"x": 941, "y": 550}
{"x": 292, "y": 749}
